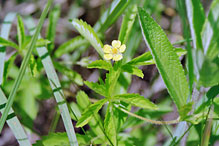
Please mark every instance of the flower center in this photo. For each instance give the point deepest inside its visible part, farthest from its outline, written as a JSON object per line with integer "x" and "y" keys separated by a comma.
{"x": 115, "y": 50}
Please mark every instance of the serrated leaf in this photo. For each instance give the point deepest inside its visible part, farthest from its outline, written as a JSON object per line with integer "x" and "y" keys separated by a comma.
{"x": 89, "y": 112}
{"x": 110, "y": 125}
{"x": 71, "y": 74}
{"x": 136, "y": 100}
{"x": 133, "y": 70}
{"x": 165, "y": 58}
{"x": 8, "y": 43}
{"x": 98, "y": 88}
{"x": 87, "y": 32}
{"x": 196, "y": 17}
{"x": 127, "y": 23}
{"x": 20, "y": 31}
{"x": 70, "y": 46}
{"x": 147, "y": 58}
{"x": 51, "y": 30}
{"x": 101, "y": 64}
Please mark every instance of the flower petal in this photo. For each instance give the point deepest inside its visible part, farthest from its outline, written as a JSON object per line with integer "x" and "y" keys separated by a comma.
{"x": 116, "y": 43}
{"x": 108, "y": 56}
{"x": 122, "y": 48}
{"x": 117, "y": 57}
{"x": 107, "y": 49}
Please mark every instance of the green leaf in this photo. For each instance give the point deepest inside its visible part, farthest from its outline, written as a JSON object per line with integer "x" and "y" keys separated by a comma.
{"x": 71, "y": 74}
{"x": 136, "y": 100}
{"x": 98, "y": 88}
{"x": 196, "y": 17}
{"x": 70, "y": 46}
{"x": 24, "y": 66}
{"x": 110, "y": 125}
{"x": 42, "y": 42}
{"x": 213, "y": 92}
{"x": 96, "y": 122}
{"x": 60, "y": 139}
{"x": 51, "y": 30}
{"x": 89, "y": 112}
{"x": 54, "y": 84}
{"x": 127, "y": 23}
{"x": 209, "y": 73}
{"x": 5, "y": 30}
{"x": 7, "y": 43}
{"x": 33, "y": 65}
{"x": 133, "y": 70}
{"x": 147, "y": 58}
{"x": 111, "y": 15}
{"x": 210, "y": 37}
{"x": 185, "y": 110}
{"x": 87, "y": 32}
{"x": 165, "y": 58}
{"x": 20, "y": 31}
{"x": 101, "y": 64}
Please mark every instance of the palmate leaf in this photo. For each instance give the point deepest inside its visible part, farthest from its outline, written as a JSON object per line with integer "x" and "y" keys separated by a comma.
{"x": 165, "y": 58}
{"x": 87, "y": 32}
{"x": 90, "y": 112}
{"x": 98, "y": 88}
{"x": 133, "y": 70}
{"x": 110, "y": 125}
{"x": 136, "y": 100}
{"x": 101, "y": 64}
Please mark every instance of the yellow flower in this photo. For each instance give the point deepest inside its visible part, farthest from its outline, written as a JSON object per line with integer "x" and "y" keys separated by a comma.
{"x": 115, "y": 51}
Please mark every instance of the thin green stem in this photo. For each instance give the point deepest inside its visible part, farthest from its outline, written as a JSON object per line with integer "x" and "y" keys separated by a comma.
{"x": 24, "y": 65}
{"x": 149, "y": 120}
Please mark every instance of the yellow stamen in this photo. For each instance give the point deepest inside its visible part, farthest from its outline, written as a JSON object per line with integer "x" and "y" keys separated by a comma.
{"x": 114, "y": 51}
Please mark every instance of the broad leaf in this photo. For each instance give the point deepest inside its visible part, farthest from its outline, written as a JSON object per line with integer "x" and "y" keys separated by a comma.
{"x": 127, "y": 23}
{"x": 133, "y": 70}
{"x": 87, "y": 32}
{"x": 20, "y": 31}
{"x": 110, "y": 125}
{"x": 165, "y": 58}
{"x": 101, "y": 64}
{"x": 90, "y": 112}
{"x": 8, "y": 43}
{"x": 98, "y": 88}
{"x": 136, "y": 100}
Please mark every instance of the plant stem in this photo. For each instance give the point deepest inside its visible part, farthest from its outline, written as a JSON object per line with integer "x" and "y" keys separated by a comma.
{"x": 149, "y": 120}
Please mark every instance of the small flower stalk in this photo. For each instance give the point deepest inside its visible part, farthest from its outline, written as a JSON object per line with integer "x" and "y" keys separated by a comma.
{"x": 115, "y": 51}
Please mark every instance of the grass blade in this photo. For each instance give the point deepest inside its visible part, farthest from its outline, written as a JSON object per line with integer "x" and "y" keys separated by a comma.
{"x": 165, "y": 58}
{"x": 20, "y": 31}
{"x": 6, "y": 26}
{"x": 56, "y": 87}
{"x": 24, "y": 66}
{"x": 127, "y": 23}
{"x": 51, "y": 30}
{"x": 14, "y": 123}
